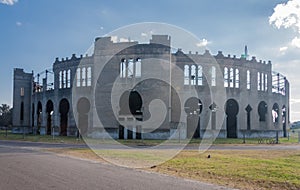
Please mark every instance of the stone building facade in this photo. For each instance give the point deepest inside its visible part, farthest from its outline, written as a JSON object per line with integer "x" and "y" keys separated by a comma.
{"x": 111, "y": 93}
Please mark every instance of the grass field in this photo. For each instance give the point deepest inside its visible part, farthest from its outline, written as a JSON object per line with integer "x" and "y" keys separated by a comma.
{"x": 62, "y": 139}
{"x": 243, "y": 169}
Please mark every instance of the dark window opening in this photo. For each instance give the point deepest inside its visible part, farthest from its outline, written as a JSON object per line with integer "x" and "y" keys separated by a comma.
{"x": 22, "y": 111}
{"x": 248, "y": 110}
{"x": 262, "y": 110}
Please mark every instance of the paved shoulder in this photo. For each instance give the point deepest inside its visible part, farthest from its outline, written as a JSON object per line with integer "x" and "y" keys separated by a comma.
{"x": 37, "y": 170}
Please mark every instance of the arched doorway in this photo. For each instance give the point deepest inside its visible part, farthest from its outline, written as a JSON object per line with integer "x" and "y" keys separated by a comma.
{"x": 49, "y": 111}
{"x": 193, "y": 108}
{"x": 135, "y": 107}
{"x": 262, "y": 110}
{"x": 232, "y": 109}
{"x": 130, "y": 106}
{"x": 39, "y": 117}
{"x": 64, "y": 107}
{"x": 83, "y": 108}
{"x": 124, "y": 111}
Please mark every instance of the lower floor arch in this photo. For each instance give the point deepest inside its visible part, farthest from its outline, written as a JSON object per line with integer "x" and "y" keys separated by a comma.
{"x": 231, "y": 110}
{"x": 64, "y": 107}
{"x": 83, "y": 108}
{"x": 193, "y": 108}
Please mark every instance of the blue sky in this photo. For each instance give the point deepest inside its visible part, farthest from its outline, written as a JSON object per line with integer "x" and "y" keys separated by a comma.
{"x": 34, "y": 33}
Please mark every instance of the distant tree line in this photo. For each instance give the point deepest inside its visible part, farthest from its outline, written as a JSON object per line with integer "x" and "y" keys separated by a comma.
{"x": 5, "y": 115}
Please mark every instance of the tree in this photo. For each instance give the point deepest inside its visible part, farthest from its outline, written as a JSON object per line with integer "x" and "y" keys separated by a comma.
{"x": 5, "y": 115}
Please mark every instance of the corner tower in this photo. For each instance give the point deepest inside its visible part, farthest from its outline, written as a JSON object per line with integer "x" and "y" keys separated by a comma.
{"x": 22, "y": 92}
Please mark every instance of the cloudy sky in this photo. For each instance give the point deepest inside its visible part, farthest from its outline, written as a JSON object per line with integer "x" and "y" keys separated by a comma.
{"x": 33, "y": 33}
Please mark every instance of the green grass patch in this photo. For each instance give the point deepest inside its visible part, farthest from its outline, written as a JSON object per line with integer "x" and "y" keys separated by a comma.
{"x": 62, "y": 139}
{"x": 239, "y": 169}
{"x": 242, "y": 169}
{"x": 40, "y": 138}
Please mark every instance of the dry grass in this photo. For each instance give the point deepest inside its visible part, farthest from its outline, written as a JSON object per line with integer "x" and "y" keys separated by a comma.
{"x": 243, "y": 169}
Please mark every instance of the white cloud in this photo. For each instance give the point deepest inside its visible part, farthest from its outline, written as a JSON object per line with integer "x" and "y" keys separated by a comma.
{"x": 203, "y": 43}
{"x": 287, "y": 15}
{"x": 8, "y": 2}
{"x": 19, "y": 23}
{"x": 283, "y": 49}
{"x": 296, "y": 42}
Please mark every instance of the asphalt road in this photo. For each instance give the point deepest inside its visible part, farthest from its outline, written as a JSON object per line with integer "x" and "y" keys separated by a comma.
{"x": 27, "y": 168}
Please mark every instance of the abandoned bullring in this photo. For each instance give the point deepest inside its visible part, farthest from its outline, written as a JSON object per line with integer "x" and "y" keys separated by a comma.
{"x": 131, "y": 90}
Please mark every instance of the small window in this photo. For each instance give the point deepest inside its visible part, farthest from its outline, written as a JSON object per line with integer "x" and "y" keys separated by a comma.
{"x": 200, "y": 75}
{"x": 262, "y": 81}
{"x": 138, "y": 68}
{"x": 123, "y": 68}
{"x": 225, "y": 77}
{"x": 64, "y": 79}
{"x": 83, "y": 76}
{"x": 213, "y": 76}
{"x": 231, "y": 78}
{"x": 248, "y": 80}
{"x": 130, "y": 69}
{"x": 60, "y": 79}
{"x": 89, "y": 76}
{"x": 186, "y": 75}
{"x": 193, "y": 75}
{"x": 237, "y": 78}
{"x": 69, "y": 78}
{"x": 266, "y": 82}
{"x": 78, "y": 77}
{"x": 22, "y": 111}
{"x": 22, "y": 92}
{"x": 258, "y": 81}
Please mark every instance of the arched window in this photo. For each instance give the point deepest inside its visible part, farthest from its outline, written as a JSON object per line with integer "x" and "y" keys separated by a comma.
{"x": 89, "y": 76}
{"x": 69, "y": 78}
{"x": 262, "y": 83}
{"x": 130, "y": 69}
{"x": 231, "y": 77}
{"x": 258, "y": 81}
{"x": 64, "y": 79}
{"x": 123, "y": 68}
{"x": 186, "y": 75}
{"x": 78, "y": 77}
{"x": 225, "y": 77}
{"x": 193, "y": 75}
{"x": 60, "y": 79}
{"x": 200, "y": 75}
{"x": 248, "y": 80}
{"x": 213, "y": 76}
{"x": 138, "y": 68}
{"x": 237, "y": 78}
{"x": 83, "y": 76}
{"x": 266, "y": 82}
